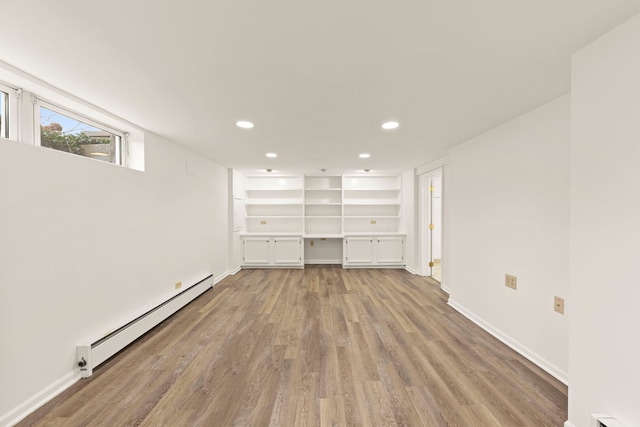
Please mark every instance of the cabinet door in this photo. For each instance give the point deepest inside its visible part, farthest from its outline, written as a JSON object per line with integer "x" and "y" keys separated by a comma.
{"x": 358, "y": 250}
{"x": 390, "y": 250}
{"x": 256, "y": 250}
{"x": 287, "y": 250}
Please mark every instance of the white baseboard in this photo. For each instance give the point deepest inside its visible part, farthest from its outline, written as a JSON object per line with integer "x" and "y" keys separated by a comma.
{"x": 21, "y": 411}
{"x": 411, "y": 270}
{"x": 547, "y": 366}
{"x": 28, "y": 406}
{"x": 226, "y": 274}
{"x": 323, "y": 261}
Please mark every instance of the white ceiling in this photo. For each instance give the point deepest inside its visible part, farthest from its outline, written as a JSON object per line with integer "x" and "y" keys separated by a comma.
{"x": 317, "y": 78}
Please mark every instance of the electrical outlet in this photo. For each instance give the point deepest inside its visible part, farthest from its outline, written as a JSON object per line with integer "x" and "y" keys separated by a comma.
{"x": 510, "y": 281}
{"x": 558, "y": 305}
{"x": 178, "y": 285}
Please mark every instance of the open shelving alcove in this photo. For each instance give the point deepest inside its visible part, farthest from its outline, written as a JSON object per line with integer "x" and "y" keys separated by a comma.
{"x": 353, "y": 220}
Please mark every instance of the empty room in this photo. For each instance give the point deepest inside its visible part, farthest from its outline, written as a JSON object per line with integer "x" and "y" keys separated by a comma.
{"x": 299, "y": 213}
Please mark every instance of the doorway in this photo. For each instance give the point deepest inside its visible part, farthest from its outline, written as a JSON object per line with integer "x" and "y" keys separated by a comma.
{"x": 431, "y": 195}
{"x": 434, "y": 221}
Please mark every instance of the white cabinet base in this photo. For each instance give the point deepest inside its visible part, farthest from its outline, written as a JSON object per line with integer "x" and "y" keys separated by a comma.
{"x": 374, "y": 252}
{"x": 272, "y": 252}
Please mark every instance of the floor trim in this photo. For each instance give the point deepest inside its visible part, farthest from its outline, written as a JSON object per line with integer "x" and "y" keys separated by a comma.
{"x": 21, "y": 411}
{"x": 544, "y": 364}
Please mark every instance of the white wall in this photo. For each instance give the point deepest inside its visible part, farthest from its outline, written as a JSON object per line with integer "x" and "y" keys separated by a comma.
{"x": 84, "y": 245}
{"x": 410, "y": 219}
{"x": 238, "y": 213}
{"x": 605, "y": 238}
{"x": 507, "y": 204}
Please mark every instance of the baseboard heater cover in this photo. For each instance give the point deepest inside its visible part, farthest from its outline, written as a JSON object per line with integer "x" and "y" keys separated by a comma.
{"x": 604, "y": 420}
{"x": 91, "y": 354}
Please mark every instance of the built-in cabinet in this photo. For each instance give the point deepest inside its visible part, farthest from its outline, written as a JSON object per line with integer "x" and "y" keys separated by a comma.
{"x": 271, "y": 251}
{"x": 286, "y": 213}
{"x": 373, "y": 251}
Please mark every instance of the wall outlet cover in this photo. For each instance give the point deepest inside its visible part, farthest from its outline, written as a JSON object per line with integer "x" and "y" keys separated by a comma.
{"x": 558, "y": 305}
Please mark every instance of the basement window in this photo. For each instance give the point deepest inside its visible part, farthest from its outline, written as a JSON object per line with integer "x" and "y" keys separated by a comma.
{"x": 8, "y": 117}
{"x": 67, "y": 131}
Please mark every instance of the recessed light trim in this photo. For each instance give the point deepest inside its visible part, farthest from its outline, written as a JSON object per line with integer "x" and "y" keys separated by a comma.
{"x": 390, "y": 125}
{"x": 271, "y": 155}
{"x": 364, "y": 155}
{"x": 244, "y": 124}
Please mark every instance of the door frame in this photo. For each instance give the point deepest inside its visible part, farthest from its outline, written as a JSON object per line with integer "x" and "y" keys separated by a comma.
{"x": 424, "y": 206}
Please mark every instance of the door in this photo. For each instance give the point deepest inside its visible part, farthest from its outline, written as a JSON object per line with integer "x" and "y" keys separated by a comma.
{"x": 390, "y": 250}
{"x": 255, "y": 250}
{"x": 358, "y": 250}
{"x": 434, "y": 229}
{"x": 287, "y": 250}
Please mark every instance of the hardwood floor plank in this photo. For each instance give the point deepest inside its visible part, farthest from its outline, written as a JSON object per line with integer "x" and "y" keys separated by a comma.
{"x": 321, "y": 346}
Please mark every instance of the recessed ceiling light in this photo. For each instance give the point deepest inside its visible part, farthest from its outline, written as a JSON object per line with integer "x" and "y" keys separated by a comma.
{"x": 244, "y": 124}
{"x": 390, "y": 125}
{"x": 271, "y": 155}
{"x": 364, "y": 155}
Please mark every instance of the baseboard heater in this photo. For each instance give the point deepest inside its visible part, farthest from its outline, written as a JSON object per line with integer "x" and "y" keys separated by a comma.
{"x": 91, "y": 354}
{"x": 604, "y": 420}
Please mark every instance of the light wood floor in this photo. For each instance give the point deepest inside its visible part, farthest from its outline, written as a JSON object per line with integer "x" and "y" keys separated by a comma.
{"x": 316, "y": 347}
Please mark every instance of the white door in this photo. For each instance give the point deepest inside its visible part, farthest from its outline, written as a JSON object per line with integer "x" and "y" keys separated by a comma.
{"x": 435, "y": 226}
{"x": 287, "y": 250}
{"x": 358, "y": 250}
{"x": 390, "y": 250}
{"x": 255, "y": 250}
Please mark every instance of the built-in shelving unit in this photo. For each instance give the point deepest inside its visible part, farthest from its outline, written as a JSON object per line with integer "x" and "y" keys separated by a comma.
{"x": 323, "y": 205}
{"x": 371, "y": 204}
{"x": 353, "y": 220}
{"x": 274, "y": 204}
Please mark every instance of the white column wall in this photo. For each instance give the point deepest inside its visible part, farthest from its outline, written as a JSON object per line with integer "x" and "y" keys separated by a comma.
{"x": 85, "y": 245}
{"x": 507, "y": 201}
{"x": 605, "y": 238}
{"x": 409, "y": 219}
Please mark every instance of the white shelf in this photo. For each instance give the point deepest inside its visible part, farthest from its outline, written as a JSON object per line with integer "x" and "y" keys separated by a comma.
{"x": 271, "y": 234}
{"x": 371, "y": 202}
{"x": 322, "y": 204}
{"x": 273, "y": 216}
{"x": 373, "y": 234}
{"x": 274, "y": 205}
{"x": 261, "y": 202}
{"x": 372, "y": 189}
{"x": 371, "y": 216}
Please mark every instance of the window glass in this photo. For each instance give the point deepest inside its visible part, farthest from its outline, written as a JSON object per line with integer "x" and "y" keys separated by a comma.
{"x": 4, "y": 116}
{"x": 62, "y": 132}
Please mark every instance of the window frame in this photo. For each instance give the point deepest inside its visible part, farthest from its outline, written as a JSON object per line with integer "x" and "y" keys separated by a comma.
{"x": 121, "y": 155}
{"x": 12, "y": 111}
